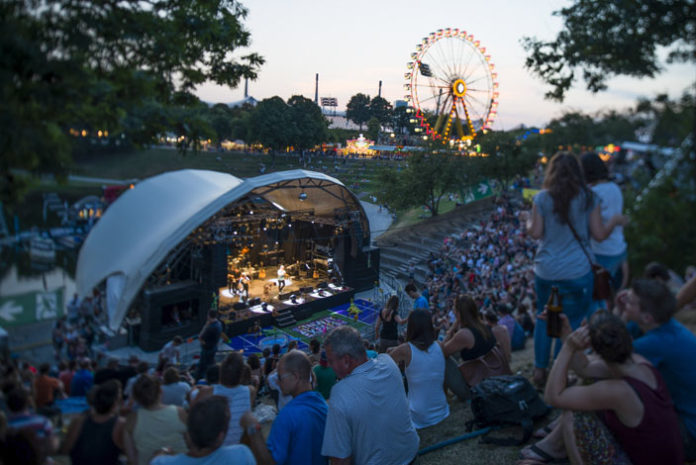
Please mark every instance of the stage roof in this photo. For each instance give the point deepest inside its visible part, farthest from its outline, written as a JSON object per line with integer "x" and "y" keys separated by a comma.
{"x": 138, "y": 230}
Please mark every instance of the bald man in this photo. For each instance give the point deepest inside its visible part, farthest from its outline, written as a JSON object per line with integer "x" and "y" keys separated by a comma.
{"x": 297, "y": 432}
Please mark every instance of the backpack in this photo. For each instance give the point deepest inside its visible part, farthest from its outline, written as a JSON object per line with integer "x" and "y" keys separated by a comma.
{"x": 505, "y": 400}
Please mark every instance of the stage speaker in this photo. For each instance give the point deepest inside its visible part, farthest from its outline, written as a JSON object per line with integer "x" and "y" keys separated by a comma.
{"x": 285, "y": 296}
{"x": 254, "y": 301}
{"x": 322, "y": 285}
{"x": 306, "y": 290}
{"x": 239, "y": 306}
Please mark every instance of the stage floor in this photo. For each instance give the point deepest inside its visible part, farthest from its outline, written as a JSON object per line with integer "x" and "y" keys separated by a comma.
{"x": 293, "y": 283}
{"x": 315, "y": 327}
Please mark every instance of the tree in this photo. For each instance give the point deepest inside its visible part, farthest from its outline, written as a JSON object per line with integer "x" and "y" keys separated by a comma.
{"x": 128, "y": 69}
{"x": 271, "y": 124}
{"x": 310, "y": 125}
{"x": 373, "y": 128}
{"x": 506, "y": 156}
{"x": 358, "y": 109}
{"x": 605, "y": 38}
{"x": 381, "y": 109}
{"x": 426, "y": 179}
{"x": 220, "y": 117}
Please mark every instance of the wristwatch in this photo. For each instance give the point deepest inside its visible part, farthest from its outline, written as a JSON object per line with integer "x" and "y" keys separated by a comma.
{"x": 253, "y": 429}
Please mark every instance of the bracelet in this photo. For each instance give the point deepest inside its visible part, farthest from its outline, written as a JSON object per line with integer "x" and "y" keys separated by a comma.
{"x": 253, "y": 429}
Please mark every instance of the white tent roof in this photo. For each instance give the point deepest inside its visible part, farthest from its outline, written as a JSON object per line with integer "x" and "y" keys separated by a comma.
{"x": 138, "y": 230}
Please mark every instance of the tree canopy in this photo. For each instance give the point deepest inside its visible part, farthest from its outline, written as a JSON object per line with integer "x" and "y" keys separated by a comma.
{"x": 604, "y": 38}
{"x": 124, "y": 71}
{"x": 358, "y": 109}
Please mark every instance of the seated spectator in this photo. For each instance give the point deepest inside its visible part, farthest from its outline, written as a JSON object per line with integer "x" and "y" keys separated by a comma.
{"x": 294, "y": 436}
{"x": 636, "y": 422}
{"x": 239, "y": 397}
{"x": 154, "y": 425}
{"x": 424, "y": 366}
{"x": 170, "y": 351}
{"x": 360, "y": 428}
{"x": 66, "y": 371}
{"x": 668, "y": 345}
{"x": 517, "y": 336}
{"x": 206, "y": 429}
{"x": 325, "y": 376}
{"x": 96, "y": 436}
{"x": 174, "y": 390}
{"x": 471, "y": 338}
{"x": 141, "y": 369}
{"x": 83, "y": 379}
{"x": 315, "y": 351}
{"x": 111, "y": 371}
{"x": 36, "y": 430}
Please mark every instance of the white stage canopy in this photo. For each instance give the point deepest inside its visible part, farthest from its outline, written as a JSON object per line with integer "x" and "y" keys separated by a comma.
{"x": 137, "y": 232}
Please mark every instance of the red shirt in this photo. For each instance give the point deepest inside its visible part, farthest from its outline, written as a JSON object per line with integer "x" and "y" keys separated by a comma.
{"x": 66, "y": 377}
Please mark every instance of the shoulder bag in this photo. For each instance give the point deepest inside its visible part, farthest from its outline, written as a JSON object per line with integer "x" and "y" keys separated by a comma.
{"x": 602, "y": 279}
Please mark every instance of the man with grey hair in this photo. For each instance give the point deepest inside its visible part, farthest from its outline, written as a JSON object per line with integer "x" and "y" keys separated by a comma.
{"x": 368, "y": 420}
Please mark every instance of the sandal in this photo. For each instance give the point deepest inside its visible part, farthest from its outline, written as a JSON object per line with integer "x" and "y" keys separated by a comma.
{"x": 541, "y": 433}
{"x": 540, "y": 455}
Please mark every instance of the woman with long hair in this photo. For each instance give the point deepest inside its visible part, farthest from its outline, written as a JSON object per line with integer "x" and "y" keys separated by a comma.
{"x": 626, "y": 417}
{"x": 386, "y": 327}
{"x": 424, "y": 366}
{"x": 564, "y": 216}
{"x": 611, "y": 252}
{"x": 472, "y": 339}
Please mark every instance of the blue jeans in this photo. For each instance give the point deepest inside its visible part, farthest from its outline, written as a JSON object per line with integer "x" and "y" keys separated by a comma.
{"x": 576, "y": 297}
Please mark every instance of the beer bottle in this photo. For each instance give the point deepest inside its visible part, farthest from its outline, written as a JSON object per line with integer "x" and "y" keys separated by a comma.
{"x": 554, "y": 307}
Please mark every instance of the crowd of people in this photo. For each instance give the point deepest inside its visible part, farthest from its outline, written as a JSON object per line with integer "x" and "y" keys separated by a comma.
{"x": 345, "y": 402}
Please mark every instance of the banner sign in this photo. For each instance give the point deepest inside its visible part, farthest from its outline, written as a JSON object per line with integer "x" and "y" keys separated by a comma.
{"x": 31, "y": 307}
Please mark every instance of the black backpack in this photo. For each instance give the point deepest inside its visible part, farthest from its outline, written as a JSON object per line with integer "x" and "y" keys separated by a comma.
{"x": 506, "y": 400}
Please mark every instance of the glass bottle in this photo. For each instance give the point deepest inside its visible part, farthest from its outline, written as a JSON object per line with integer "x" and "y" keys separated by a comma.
{"x": 554, "y": 307}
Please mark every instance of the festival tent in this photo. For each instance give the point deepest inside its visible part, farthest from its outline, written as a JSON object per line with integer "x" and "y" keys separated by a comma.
{"x": 137, "y": 232}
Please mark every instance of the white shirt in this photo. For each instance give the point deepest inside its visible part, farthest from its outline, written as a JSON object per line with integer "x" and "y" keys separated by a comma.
{"x": 610, "y": 204}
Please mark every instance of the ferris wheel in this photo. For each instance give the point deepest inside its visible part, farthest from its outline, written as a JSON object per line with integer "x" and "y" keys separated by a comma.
{"x": 452, "y": 87}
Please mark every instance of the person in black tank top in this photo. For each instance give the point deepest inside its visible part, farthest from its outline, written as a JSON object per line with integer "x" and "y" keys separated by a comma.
{"x": 96, "y": 436}
{"x": 386, "y": 328}
{"x": 471, "y": 338}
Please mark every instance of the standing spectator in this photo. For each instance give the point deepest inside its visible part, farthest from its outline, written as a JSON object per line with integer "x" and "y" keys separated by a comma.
{"x": 419, "y": 301}
{"x": 297, "y": 428}
{"x": 325, "y": 376}
{"x": 170, "y": 351}
{"x": 611, "y": 252}
{"x": 209, "y": 338}
{"x": 564, "y": 209}
{"x": 45, "y": 389}
{"x": 154, "y": 425}
{"x": 386, "y": 327}
{"x": 96, "y": 436}
{"x": 58, "y": 337}
{"x": 424, "y": 366}
{"x": 239, "y": 397}
{"x": 83, "y": 379}
{"x": 366, "y": 429}
{"x": 206, "y": 429}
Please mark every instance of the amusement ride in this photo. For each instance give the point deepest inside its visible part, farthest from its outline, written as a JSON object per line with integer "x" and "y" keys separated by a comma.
{"x": 451, "y": 86}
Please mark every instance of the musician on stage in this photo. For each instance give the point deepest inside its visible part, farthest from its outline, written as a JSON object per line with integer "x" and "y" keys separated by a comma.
{"x": 244, "y": 283}
{"x": 281, "y": 278}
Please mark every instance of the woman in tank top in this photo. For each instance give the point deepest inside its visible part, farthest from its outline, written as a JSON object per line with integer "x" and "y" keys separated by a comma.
{"x": 240, "y": 398}
{"x": 386, "y": 327}
{"x": 96, "y": 436}
{"x": 424, "y": 366}
{"x": 627, "y": 417}
{"x": 154, "y": 425}
{"x": 471, "y": 338}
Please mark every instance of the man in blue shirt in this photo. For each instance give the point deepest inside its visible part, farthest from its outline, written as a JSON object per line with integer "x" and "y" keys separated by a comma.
{"x": 419, "y": 302}
{"x": 82, "y": 381}
{"x": 297, "y": 432}
{"x": 668, "y": 345}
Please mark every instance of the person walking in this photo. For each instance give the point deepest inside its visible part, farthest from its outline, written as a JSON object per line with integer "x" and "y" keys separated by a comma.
{"x": 209, "y": 338}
